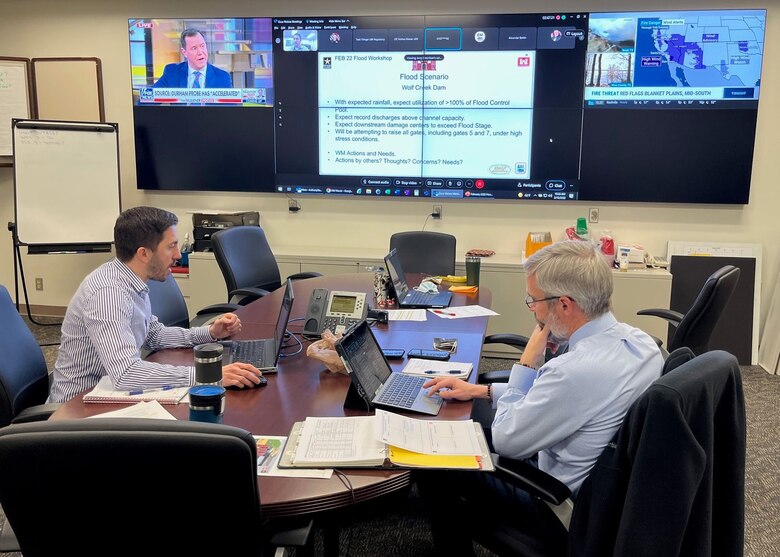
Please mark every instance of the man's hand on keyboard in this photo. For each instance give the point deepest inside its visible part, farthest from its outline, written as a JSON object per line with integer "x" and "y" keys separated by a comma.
{"x": 240, "y": 374}
{"x": 225, "y": 325}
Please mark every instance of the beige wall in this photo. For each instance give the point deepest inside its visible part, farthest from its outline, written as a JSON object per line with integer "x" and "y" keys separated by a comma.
{"x": 35, "y": 28}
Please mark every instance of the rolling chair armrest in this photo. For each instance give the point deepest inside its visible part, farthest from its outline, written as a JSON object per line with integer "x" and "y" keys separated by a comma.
{"x": 674, "y": 317}
{"x": 510, "y": 339}
{"x": 37, "y": 413}
{"x": 208, "y": 314}
{"x": 529, "y": 478}
{"x": 304, "y": 275}
{"x": 244, "y": 296}
{"x": 218, "y": 308}
{"x": 495, "y": 376}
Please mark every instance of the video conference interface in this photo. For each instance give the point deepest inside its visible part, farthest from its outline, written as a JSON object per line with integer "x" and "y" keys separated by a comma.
{"x": 516, "y": 106}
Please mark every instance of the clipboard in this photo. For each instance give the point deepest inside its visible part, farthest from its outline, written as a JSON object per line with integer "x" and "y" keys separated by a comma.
{"x": 396, "y": 458}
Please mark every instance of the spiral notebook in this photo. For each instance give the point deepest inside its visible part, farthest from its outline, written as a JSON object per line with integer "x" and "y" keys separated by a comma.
{"x": 104, "y": 393}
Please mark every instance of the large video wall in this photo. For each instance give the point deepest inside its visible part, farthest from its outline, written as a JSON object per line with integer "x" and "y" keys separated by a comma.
{"x": 638, "y": 106}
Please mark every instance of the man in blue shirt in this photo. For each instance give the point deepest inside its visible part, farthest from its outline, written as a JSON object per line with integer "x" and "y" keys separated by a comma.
{"x": 109, "y": 319}
{"x": 565, "y": 410}
{"x": 195, "y": 72}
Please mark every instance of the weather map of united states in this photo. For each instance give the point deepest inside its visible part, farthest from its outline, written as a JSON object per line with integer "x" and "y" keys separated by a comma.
{"x": 699, "y": 51}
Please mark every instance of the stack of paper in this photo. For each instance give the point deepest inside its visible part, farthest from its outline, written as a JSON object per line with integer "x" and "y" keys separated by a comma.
{"x": 386, "y": 440}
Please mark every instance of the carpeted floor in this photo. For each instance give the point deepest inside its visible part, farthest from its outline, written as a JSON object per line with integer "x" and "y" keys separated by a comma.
{"x": 399, "y": 526}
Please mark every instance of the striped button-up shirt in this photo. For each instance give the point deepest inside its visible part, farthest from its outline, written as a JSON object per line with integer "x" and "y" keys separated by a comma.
{"x": 107, "y": 324}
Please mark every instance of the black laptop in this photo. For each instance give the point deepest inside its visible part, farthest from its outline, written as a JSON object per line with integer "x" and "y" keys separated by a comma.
{"x": 407, "y": 297}
{"x": 374, "y": 380}
{"x": 263, "y": 353}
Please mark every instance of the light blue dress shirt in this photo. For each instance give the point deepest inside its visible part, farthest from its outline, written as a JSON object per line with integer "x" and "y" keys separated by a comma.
{"x": 108, "y": 322}
{"x": 569, "y": 409}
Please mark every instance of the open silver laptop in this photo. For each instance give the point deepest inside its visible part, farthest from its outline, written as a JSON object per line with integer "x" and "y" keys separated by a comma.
{"x": 375, "y": 381}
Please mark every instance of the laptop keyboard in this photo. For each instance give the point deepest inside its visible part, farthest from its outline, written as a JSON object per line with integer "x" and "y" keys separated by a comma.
{"x": 248, "y": 351}
{"x": 416, "y": 297}
{"x": 402, "y": 392}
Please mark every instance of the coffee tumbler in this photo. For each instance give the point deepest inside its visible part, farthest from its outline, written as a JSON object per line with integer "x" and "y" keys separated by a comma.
{"x": 472, "y": 270}
{"x": 207, "y": 403}
{"x": 208, "y": 364}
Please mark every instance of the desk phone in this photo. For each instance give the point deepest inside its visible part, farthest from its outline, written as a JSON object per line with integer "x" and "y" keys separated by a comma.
{"x": 336, "y": 310}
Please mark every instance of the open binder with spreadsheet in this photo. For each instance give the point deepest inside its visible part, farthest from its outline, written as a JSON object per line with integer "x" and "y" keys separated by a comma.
{"x": 386, "y": 440}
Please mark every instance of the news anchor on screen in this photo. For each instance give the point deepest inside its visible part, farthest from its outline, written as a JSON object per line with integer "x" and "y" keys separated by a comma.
{"x": 195, "y": 72}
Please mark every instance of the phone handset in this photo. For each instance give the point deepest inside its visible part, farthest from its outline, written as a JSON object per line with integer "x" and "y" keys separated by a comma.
{"x": 335, "y": 310}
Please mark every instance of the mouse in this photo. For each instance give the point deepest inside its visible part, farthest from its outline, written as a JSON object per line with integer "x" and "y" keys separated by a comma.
{"x": 263, "y": 382}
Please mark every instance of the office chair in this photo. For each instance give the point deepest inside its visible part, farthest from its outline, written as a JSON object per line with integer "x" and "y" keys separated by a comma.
{"x": 169, "y": 307}
{"x": 248, "y": 264}
{"x": 653, "y": 490}
{"x": 694, "y": 328}
{"x": 24, "y": 378}
{"x": 165, "y": 487}
{"x": 429, "y": 253}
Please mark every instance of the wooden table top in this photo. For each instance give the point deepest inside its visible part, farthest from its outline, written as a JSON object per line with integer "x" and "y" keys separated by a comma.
{"x": 304, "y": 387}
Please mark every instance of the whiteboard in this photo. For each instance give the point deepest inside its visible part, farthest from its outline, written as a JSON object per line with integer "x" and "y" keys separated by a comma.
{"x": 14, "y": 97}
{"x": 66, "y": 182}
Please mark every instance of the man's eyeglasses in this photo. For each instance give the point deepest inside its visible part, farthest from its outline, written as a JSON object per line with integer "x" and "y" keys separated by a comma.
{"x": 529, "y": 301}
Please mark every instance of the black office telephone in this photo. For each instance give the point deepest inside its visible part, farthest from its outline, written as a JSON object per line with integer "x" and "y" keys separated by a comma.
{"x": 335, "y": 310}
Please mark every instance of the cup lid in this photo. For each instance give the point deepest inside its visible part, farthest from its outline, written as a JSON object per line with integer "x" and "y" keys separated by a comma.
{"x": 204, "y": 394}
{"x": 208, "y": 350}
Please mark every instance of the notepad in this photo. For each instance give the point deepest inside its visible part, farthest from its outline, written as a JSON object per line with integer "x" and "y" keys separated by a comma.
{"x": 386, "y": 440}
{"x": 104, "y": 393}
{"x": 434, "y": 368}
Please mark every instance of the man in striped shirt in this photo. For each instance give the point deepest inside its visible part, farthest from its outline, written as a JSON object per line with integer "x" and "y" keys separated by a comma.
{"x": 109, "y": 320}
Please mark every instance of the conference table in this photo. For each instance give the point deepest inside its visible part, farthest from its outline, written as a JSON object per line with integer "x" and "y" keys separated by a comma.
{"x": 304, "y": 387}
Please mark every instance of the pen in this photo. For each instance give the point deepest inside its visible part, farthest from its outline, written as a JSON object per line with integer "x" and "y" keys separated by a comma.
{"x": 142, "y": 391}
{"x": 435, "y": 372}
{"x": 445, "y": 312}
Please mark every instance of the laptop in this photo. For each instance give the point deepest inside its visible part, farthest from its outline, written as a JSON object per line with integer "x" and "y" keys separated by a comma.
{"x": 374, "y": 380}
{"x": 263, "y": 353}
{"x": 409, "y": 298}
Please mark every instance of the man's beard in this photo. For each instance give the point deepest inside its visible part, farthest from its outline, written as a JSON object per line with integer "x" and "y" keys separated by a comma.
{"x": 558, "y": 333}
{"x": 158, "y": 271}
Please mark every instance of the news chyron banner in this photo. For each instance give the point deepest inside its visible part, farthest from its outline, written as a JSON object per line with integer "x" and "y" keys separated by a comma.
{"x": 151, "y": 96}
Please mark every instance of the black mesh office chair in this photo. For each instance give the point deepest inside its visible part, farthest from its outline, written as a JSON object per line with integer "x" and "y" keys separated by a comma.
{"x": 429, "y": 253}
{"x": 169, "y": 307}
{"x": 672, "y": 481}
{"x": 138, "y": 485}
{"x": 24, "y": 378}
{"x": 248, "y": 264}
{"x": 694, "y": 328}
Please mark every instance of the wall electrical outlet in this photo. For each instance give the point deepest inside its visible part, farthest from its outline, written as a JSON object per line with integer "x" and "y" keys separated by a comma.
{"x": 39, "y": 283}
{"x": 436, "y": 212}
{"x": 593, "y": 215}
{"x": 293, "y": 206}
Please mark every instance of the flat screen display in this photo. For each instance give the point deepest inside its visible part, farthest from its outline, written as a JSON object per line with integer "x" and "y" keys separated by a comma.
{"x": 622, "y": 106}
{"x": 203, "y": 94}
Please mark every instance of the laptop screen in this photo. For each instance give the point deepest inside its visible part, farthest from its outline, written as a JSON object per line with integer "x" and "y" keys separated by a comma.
{"x": 393, "y": 264}
{"x": 283, "y": 319}
{"x": 364, "y": 358}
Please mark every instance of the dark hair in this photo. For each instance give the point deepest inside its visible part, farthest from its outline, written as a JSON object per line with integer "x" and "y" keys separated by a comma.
{"x": 140, "y": 227}
{"x": 191, "y": 32}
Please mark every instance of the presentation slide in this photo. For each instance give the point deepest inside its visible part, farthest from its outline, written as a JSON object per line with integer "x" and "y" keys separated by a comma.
{"x": 471, "y": 113}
